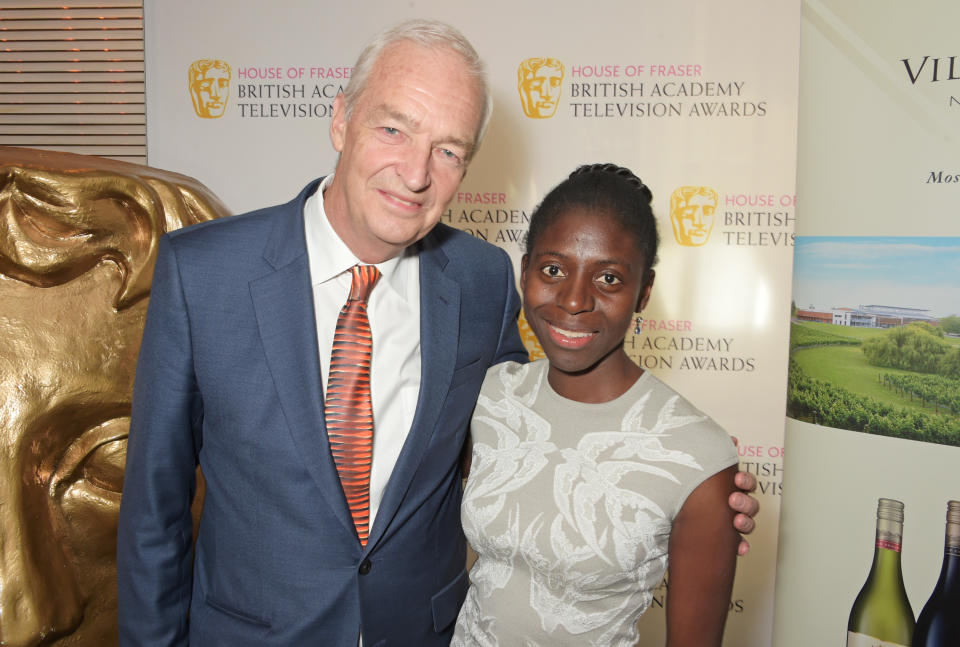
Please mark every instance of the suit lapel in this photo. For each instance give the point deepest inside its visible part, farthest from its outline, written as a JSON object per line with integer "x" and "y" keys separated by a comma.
{"x": 439, "y": 334}
{"x": 283, "y": 301}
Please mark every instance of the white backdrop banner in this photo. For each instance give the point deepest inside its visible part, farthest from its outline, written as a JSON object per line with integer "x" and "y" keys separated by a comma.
{"x": 878, "y": 246}
{"x": 698, "y": 98}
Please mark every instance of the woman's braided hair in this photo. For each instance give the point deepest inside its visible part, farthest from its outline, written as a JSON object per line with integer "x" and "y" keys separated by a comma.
{"x": 608, "y": 188}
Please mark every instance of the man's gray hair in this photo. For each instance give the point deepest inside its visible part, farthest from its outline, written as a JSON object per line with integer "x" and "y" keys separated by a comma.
{"x": 430, "y": 34}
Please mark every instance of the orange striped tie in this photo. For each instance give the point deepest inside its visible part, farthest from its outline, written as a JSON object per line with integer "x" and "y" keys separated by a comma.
{"x": 349, "y": 413}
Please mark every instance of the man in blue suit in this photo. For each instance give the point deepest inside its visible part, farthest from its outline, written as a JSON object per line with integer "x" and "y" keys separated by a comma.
{"x": 233, "y": 367}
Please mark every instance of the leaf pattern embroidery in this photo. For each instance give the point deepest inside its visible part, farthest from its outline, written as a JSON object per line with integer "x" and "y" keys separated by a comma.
{"x": 589, "y": 557}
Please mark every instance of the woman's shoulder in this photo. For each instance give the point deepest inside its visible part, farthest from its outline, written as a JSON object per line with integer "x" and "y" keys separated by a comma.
{"x": 685, "y": 421}
{"x": 516, "y": 369}
{"x": 510, "y": 378}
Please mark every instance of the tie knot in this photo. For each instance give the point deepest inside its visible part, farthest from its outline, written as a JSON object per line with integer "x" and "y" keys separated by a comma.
{"x": 364, "y": 278}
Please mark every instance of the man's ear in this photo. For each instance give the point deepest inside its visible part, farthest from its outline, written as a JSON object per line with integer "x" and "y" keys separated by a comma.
{"x": 645, "y": 291}
{"x": 524, "y": 261}
{"x": 338, "y": 123}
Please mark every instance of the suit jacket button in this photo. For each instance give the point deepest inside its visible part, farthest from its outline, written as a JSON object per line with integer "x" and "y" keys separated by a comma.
{"x": 365, "y": 567}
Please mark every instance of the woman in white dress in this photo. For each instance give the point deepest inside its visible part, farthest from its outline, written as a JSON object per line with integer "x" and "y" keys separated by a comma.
{"x": 588, "y": 474}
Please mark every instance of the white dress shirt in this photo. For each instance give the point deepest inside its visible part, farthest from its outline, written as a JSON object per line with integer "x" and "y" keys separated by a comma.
{"x": 394, "y": 312}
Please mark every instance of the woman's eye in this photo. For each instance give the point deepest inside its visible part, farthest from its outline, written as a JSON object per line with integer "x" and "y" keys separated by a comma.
{"x": 96, "y": 458}
{"x": 103, "y": 467}
{"x": 552, "y": 271}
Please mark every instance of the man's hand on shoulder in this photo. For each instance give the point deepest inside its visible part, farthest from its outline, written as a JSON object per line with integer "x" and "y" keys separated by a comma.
{"x": 745, "y": 505}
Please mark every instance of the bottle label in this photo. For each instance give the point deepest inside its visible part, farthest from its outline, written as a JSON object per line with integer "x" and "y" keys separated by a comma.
{"x": 888, "y": 544}
{"x": 889, "y": 538}
{"x": 860, "y": 640}
{"x": 953, "y": 551}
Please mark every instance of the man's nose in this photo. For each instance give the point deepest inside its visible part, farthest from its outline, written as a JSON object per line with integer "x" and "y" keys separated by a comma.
{"x": 414, "y": 167}
{"x": 38, "y": 595}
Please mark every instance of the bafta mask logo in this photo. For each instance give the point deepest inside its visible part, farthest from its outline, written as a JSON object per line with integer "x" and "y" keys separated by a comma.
{"x": 539, "y": 81}
{"x": 692, "y": 210}
{"x": 209, "y": 87}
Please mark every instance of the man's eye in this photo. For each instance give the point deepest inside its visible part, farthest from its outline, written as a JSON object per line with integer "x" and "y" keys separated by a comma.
{"x": 388, "y": 130}
{"x": 449, "y": 154}
{"x": 610, "y": 279}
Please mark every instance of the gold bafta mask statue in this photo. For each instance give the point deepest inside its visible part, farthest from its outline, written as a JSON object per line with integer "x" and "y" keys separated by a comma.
{"x": 692, "y": 210}
{"x": 539, "y": 81}
{"x": 78, "y": 240}
{"x": 209, "y": 87}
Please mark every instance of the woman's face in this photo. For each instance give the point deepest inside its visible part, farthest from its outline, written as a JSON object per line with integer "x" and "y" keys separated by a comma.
{"x": 582, "y": 282}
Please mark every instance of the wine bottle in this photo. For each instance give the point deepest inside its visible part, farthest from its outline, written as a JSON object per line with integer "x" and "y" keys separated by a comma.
{"x": 881, "y": 615}
{"x": 939, "y": 621}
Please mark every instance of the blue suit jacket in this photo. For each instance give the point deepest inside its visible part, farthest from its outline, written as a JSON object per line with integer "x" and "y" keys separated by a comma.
{"x": 229, "y": 377}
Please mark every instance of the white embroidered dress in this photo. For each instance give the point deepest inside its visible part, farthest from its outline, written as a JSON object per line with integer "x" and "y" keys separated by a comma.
{"x": 569, "y": 507}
